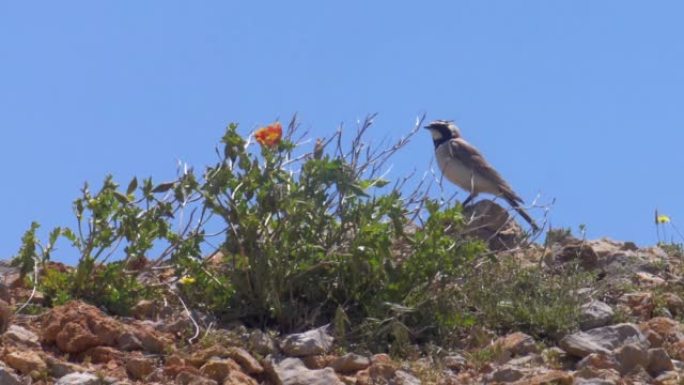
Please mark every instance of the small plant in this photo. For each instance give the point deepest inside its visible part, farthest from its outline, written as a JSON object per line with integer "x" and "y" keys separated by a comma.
{"x": 507, "y": 296}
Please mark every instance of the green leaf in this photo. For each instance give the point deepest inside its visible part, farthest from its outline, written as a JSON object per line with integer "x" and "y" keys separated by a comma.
{"x": 123, "y": 199}
{"x": 163, "y": 187}
{"x": 132, "y": 186}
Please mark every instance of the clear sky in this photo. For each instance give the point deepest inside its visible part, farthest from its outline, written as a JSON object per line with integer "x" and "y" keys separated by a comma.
{"x": 580, "y": 101}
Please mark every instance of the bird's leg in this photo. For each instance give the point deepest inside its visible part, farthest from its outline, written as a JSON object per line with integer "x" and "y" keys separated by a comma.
{"x": 472, "y": 191}
{"x": 467, "y": 200}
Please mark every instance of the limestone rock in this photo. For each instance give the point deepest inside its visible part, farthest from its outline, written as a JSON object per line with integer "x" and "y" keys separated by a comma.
{"x": 491, "y": 223}
{"x": 602, "y": 340}
{"x": 404, "y": 378}
{"x": 350, "y": 362}
{"x": 22, "y": 336}
{"x": 505, "y": 374}
{"x": 292, "y": 371}
{"x": 310, "y": 343}
{"x": 7, "y": 377}
{"x": 631, "y": 356}
{"x": 595, "y": 314}
{"x": 79, "y": 379}
{"x": 455, "y": 362}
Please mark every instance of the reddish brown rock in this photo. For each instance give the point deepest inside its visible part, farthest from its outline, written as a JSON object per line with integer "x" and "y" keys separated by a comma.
{"x": 218, "y": 368}
{"x": 187, "y": 378}
{"x": 76, "y": 327}
{"x": 640, "y": 304}
{"x": 239, "y": 378}
{"x": 350, "y": 362}
{"x": 316, "y": 362}
{"x": 246, "y": 360}
{"x": 25, "y": 361}
{"x": 103, "y": 354}
{"x": 553, "y": 377}
{"x": 516, "y": 344}
{"x": 139, "y": 366}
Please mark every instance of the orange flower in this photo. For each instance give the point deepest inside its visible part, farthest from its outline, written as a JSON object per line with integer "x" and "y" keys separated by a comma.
{"x": 270, "y": 135}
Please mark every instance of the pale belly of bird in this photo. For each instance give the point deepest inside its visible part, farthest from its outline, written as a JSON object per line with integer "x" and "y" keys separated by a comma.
{"x": 463, "y": 176}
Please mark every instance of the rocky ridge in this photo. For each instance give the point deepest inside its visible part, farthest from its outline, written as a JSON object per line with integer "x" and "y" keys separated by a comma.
{"x": 631, "y": 333}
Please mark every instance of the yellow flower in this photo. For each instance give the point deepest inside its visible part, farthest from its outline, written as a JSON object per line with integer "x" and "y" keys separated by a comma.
{"x": 270, "y": 135}
{"x": 186, "y": 280}
{"x": 662, "y": 219}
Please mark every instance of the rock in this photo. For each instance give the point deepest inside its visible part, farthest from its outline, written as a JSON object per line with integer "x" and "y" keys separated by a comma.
{"x": 505, "y": 374}
{"x": 653, "y": 338}
{"x": 599, "y": 361}
{"x": 128, "y": 342}
{"x": 310, "y": 343}
{"x": 595, "y": 314}
{"x": 79, "y": 379}
{"x": 404, "y": 378}
{"x": 58, "y": 368}
{"x": 515, "y": 344}
{"x": 317, "y": 362}
{"x": 674, "y": 303}
{"x": 667, "y": 328}
{"x": 103, "y": 354}
{"x": 138, "y": 366}
{"x": 645, "y": 279}
{"x": 6, "y": 314}
{"x": 350, "y": 362}
{"x": 77, "y": 327}
{"x": 552, "y": 377}
{"x": 580, "y": 251}
{"x": 151, "y": 342}
{"x": 9, "y": 378}
{"x": 602, "y": 340}
{"x": 218, "y": 368}
{"x": 488, "y": 221}
{"x": 597, "y": 376}
{"x": 262, "y": 343}
{"x": 292, "y": 371}
{"x": 455, "y": 362}
{"x": 631, "y": 356}
{"x": 668, "y": 378}
{"x": 239, "y": 378}
{"x": 593, "y": 381}
{"x": 187, "y": 378}
{"x": 638, "y": 375}
{"x": 25, "y": 361}
{"x": 658, "y": 362}
{"x": 144, "y": 309}
{"x": 640, "y": 304}
{"x": 22, "y": 336}
{"x": 246, "y": 360}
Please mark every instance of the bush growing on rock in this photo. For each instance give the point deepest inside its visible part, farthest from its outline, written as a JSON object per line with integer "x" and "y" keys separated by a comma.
{"x": 305, "y": 239}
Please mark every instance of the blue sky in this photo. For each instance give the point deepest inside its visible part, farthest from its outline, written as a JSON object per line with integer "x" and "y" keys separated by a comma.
{"x": 579, "y": 101}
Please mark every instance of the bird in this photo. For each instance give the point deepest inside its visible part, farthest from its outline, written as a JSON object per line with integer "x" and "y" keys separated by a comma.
{"x": 464, "y": 165}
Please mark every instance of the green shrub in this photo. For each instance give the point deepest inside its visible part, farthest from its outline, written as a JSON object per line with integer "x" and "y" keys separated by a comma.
{"x": 305, "y": 239}
{"x": 506, "y": 296}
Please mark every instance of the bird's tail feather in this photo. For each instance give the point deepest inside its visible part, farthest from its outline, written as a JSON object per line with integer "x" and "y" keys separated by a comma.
{"x": 515, "y": 203}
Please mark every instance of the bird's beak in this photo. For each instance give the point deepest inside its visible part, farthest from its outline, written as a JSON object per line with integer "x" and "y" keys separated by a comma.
{"x": 427, "y": 127}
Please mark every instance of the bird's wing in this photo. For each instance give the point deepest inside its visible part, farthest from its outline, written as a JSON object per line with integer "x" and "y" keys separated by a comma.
{"x": 473, "y": 159}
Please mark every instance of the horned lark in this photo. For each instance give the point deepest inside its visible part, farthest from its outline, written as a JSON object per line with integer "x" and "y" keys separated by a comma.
{"x": 464, "y": 165}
